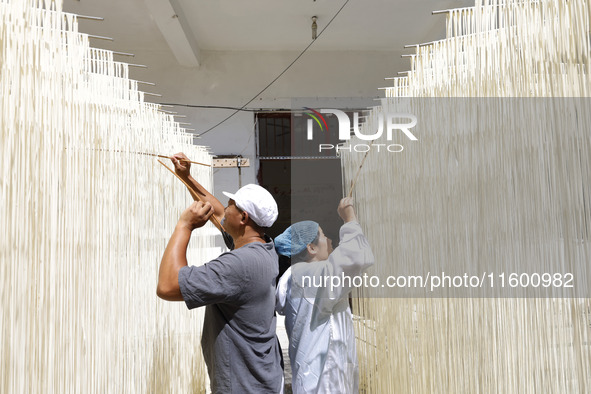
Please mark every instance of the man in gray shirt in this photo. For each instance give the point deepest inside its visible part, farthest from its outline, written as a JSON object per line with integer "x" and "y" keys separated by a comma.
{"x": 239, "y": 343}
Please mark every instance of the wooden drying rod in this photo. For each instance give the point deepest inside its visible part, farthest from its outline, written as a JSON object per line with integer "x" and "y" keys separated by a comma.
{"x": 153, "y": 155}
{"x": 185, "y": 160}
{"x": 354, "y": 181}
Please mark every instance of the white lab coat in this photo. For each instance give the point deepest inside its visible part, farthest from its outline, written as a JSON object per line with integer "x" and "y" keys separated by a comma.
{"x": 318, "y": 320}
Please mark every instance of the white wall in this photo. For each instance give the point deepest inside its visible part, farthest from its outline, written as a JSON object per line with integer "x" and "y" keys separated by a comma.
{"x": 233, "y": 78}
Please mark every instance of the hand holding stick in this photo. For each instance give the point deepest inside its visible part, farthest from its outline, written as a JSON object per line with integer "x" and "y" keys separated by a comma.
{"x": 185, "y": 160}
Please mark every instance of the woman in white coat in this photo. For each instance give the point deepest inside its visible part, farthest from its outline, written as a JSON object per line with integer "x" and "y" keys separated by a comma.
{"x": 313, "y": 294}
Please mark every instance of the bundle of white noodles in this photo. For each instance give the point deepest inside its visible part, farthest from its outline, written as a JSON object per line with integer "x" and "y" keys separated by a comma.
{"x": 84, "y": 218}
{"x": 492, "y": 185}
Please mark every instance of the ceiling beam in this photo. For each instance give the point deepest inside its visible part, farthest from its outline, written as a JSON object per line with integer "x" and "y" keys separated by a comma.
{"x": 171, "y": 22}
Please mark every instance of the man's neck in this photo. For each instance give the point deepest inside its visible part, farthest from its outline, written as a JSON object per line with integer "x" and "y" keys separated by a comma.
{"x": 248, "y": 238}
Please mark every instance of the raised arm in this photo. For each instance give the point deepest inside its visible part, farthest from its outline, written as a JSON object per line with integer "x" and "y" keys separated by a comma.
{"x": 175, "y": 255}
{"x": 349, "y": 259}
{"x": 182, "y": 167}
{"x": 346, "y": 210}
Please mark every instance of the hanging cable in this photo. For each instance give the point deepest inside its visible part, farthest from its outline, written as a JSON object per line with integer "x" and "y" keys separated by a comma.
{"x": 227, "y": 107}
{"x": 279, "y": 76}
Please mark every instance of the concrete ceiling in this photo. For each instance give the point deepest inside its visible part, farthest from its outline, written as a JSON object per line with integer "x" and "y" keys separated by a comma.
{"x": 286, "y": 25}
{"x": 190, "y": 26}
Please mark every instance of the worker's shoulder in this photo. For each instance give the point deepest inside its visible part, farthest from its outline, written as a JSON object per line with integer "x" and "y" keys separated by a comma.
{"x": 257, "y": 249}
{"x": 258, "y": 256}
{"x": 252, "y": 250}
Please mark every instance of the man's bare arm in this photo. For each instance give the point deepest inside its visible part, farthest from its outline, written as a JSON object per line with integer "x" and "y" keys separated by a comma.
{"x": 175, "y": 255}
{"x": 174, "y": 258}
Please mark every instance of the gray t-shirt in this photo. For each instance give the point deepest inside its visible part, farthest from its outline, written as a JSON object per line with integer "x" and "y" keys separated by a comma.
{"x": 239, "y": 343}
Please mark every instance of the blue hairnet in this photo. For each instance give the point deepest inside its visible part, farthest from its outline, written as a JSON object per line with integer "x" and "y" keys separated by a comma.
{"x": 296, "y": 237}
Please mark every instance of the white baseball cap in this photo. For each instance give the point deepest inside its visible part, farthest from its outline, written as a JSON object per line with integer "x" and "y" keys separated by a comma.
{"x": 257, "y": 202}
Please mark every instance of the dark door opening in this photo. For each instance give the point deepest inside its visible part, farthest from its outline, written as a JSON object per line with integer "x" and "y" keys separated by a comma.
{"x": 305, "y": 184}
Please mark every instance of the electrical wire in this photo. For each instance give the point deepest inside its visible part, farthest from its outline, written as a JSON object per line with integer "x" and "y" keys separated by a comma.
{"x": 228, "y": 107}
{"x": 279, "y": 76}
